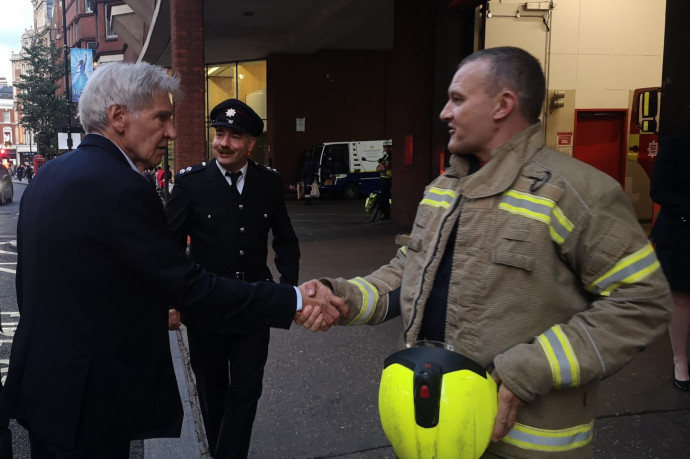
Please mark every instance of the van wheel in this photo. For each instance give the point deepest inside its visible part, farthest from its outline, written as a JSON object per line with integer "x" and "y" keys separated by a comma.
{"x": 350, "y": 191}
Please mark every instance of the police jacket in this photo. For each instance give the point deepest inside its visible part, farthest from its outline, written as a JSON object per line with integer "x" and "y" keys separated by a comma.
{"x": 228, "y": 232}
{"x": 552, "y": 281}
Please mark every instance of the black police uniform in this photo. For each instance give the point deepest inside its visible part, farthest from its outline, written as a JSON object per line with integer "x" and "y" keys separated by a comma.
{"x": 228, "y": 236}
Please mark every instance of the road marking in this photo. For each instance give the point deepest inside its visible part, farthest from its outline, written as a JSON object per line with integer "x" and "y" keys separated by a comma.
{"x": 8, "y": 332}
{"x": 10, "y": 313}
{"x": 8, "y": 251}
{"x": 5, "y": 341}
{"x": 11, "y": 271}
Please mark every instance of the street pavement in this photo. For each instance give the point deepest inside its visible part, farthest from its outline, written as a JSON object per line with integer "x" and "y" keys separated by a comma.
{"x": 320, "y": 389}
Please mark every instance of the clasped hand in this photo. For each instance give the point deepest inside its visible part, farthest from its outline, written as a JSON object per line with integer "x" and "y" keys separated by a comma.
{"x": 321, "y": 309}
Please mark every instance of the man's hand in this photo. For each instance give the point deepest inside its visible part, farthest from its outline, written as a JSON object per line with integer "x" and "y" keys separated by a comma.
{"x": 174, "y": 320}
{"x": 320, "y": 307}
{"x": 508, "y": 406}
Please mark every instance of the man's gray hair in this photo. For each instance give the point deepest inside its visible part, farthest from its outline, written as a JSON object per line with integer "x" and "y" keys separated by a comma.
{"x": 133, "y": 86}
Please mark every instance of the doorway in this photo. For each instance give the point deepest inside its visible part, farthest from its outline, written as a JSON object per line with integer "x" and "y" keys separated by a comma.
{"x": 600, "y": 140}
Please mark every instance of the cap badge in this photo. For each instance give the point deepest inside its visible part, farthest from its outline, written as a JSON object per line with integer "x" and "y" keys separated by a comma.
{"x": 230, "y": 112}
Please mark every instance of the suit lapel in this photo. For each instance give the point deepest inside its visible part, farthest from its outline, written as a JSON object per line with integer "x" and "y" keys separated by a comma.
{"x": 251, "y": 181}
{"x": 216, "y": 180}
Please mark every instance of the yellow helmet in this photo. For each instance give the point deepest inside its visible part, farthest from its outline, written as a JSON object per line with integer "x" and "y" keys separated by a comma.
{"x": 435, "y": 403}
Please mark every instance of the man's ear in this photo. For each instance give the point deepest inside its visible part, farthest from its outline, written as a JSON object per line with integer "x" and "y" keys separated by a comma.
{"x": 252, "y": 142}
{"x": 506, "y": 103}
{"x": 117, "y": 116}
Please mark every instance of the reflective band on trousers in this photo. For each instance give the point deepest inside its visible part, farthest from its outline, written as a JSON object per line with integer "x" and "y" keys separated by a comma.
{"x": 631, "y": 269}
{"x": 370, "y": 297}
{"x": 438, "y": 197}
{"x": 552, "y": 441}
{"x": 540, "y": 209}
{"x": 565, "y": 368}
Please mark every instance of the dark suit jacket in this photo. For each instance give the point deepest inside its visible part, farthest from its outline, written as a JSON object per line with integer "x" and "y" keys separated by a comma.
{"x": 670, "y": 188}
{"x": 96, "y": 274}
{"x": 229, "y": 232}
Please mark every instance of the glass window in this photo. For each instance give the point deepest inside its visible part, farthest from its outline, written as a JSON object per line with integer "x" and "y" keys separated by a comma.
{"x": 245, "y": 81}
{"x": 109, "y": 32}
{"x": 88, "y": 6}
{"x": 5, "y": 116}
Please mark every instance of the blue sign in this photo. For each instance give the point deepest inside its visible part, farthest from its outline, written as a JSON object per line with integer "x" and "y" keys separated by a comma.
{"x": 82, "y": 67}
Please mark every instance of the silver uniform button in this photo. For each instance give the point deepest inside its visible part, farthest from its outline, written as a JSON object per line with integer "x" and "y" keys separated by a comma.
{"x": 242, "y": 229}
{"x": 208, "y": 216}
{"x": 241, "y": 252}
{"x": 265, "y": 215}
{"x": 241, "y": 206}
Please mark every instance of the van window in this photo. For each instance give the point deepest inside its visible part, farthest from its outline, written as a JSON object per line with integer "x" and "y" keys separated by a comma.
{"x": 335, "y": 159}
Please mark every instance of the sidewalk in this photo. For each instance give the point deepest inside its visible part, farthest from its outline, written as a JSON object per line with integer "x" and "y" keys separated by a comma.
{"x": 320, "y": 390}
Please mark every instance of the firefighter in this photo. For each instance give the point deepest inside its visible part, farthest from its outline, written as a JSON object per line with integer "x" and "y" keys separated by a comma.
{"x": 525, "y": 260}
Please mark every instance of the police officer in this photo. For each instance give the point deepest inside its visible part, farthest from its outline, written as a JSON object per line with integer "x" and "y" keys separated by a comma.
{"x": 227, "y": 207}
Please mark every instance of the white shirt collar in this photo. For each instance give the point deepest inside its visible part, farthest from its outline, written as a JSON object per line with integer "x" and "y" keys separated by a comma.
{"x": 240, "y": 181}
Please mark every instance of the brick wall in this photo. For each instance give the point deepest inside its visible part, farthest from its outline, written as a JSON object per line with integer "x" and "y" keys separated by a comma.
{"x": 187, "y": 30}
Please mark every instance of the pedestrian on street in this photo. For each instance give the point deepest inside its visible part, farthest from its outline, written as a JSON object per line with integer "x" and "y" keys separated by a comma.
{"x": 227, "y": 208}
{"x": 523, "y": 259}
{"x": 97, "y": 271}
{"x": 671, "y": 234}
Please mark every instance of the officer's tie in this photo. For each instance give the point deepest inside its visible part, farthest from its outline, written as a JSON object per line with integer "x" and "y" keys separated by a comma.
{"x": 234, "y": 176}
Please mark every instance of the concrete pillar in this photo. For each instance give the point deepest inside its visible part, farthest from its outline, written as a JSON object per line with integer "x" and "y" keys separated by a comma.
{"x": 187, "y": 41}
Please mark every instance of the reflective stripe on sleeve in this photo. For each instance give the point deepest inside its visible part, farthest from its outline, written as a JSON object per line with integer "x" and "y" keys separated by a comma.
{"x": 438, "y": 197}
{"x": 403, "y": 249}
{"x": 565, "y": 369}
{"x": 633, "y": 268}
{"x": 552, "y": 441}
{"x": 370, "y": 297}
{"x": 540, "y": 209}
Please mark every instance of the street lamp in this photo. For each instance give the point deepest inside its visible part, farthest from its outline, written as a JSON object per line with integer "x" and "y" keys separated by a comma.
{"x": 68, "y": 94}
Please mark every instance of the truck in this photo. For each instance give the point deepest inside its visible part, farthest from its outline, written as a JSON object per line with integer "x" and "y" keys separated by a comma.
{"x": 348, "y": 168}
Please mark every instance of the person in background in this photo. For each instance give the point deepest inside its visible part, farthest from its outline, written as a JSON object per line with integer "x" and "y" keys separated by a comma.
{"x": 525, "y": 260}
{"x": 385, "y": 168}
{"x": 227, "y": 208}
{"x": 90, "y": 367}
{"x": 670, "y": 188}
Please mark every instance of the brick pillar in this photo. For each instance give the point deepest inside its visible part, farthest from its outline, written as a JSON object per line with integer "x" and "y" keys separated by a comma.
{"x": 187, "y": 30}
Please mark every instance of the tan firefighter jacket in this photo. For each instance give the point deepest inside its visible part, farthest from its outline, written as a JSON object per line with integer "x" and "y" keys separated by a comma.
{"x": 553, "y": 281}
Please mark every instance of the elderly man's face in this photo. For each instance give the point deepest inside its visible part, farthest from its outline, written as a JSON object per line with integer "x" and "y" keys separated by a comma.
{"x": 469, "y": 111}
{"x": 147, "y": 133}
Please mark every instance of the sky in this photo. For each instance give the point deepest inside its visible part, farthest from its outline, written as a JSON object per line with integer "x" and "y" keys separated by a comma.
{"x": 15, "y": 17}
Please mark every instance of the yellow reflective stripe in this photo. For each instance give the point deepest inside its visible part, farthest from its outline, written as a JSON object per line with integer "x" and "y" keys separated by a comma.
{"x": 535, "y": 439}
{"x": 438, "y": 197}
{"x": 403, "y": 249}
{"x": 565, "y": 368}
{"x": 540, "y": 209}
{"x": 633, "y": 268}
{"x": 370, "y": 297}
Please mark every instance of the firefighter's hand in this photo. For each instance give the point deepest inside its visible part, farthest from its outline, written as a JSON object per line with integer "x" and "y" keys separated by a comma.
{"x": 508, "y": 406}
{"x": 320, "y": 307}
{"x": 174, "y": 320}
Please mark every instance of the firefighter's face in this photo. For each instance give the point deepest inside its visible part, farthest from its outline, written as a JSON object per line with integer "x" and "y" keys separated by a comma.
{"x": 469, "y": 111}
{"x": 231, "y": 148}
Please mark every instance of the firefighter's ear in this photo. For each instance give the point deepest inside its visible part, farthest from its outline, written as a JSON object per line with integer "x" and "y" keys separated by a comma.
{"x": 506, "y": 102}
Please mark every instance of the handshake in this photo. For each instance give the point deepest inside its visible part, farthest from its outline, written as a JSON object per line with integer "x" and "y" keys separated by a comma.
{"x": 321, "y": 309}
